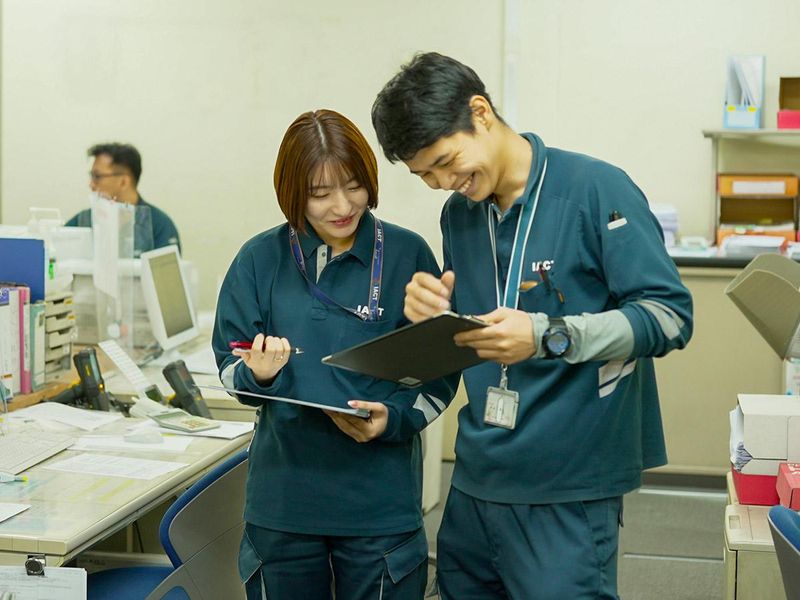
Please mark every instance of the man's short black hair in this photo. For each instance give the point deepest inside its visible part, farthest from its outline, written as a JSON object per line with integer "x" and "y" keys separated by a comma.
{"x": 121, "y": 154}
{"x": 427, "y": 100}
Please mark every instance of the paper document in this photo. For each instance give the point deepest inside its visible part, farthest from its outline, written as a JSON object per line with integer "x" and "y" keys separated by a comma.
{"x": 745, "y": 81}
{"x": 58, "y": 583}
{"x": 9, "y": 509}
{"x": 202, "y": 362}
{"x": 115, "y": 466}
{"x": 118, "y": 442}
{"x": 125, "y": 365}
{"x": 87, "y": 420}
{"x": 358, "y": 412}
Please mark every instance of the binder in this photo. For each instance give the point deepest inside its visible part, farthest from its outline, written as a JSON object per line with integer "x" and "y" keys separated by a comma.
{"x": 9, "y": 297}
{"x": 24, "y": 262}
{"x": 767, "y": 291}
{"x": 36, "y": 344}
{"x": 24, "y": 340}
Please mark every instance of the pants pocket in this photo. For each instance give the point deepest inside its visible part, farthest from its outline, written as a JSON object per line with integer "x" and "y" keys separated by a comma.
{"x": 407, "y": 556}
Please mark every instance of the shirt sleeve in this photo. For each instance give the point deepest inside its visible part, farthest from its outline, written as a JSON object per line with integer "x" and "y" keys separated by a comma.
{"x": 411, "y": 410}
{"x": 239, "y": 317}
{"x": 642, "y": 279}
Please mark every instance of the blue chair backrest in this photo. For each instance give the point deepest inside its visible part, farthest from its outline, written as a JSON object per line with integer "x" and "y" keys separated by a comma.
{"x": 785, "y": 527}
{"x": 190, "y": 494}
{"x": 787, "y": 522}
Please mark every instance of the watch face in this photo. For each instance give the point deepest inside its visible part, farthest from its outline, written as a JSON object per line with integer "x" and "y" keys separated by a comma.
{"x": 558, "y": 343}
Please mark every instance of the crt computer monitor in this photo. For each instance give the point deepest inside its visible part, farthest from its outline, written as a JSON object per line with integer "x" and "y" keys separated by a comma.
{"x": 166, "y": 295}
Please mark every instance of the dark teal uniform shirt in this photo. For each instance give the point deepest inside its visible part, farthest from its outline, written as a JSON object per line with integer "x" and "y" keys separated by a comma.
{"x": 305, "y": 475}
{"x": 584, "y": 431}
{"x": 152, "y": 229}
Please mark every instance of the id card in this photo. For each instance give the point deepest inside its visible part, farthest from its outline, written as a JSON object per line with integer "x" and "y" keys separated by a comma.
{"x": 501, "y": 407}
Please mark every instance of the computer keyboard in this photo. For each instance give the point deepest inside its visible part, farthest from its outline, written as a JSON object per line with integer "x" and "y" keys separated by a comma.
{"x": 20, "y": 450}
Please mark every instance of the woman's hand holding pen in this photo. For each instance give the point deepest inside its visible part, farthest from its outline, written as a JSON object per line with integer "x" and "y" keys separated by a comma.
{"x": 362, "y": 430}
{"x": 507, "y": 340}
{"x": 266, "y": 357}
{"x": 427, "y": 296}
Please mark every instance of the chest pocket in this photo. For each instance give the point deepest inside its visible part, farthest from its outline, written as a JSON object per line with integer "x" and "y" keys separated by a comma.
{"x": 548, "y": 299}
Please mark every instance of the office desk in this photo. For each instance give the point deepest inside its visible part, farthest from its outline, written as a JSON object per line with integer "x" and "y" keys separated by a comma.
{"x": 70, "y": 512}
{"x": 751, "y": 566}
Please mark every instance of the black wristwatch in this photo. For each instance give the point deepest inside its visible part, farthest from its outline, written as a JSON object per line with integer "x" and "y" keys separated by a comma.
{"x": 556, "y": 340}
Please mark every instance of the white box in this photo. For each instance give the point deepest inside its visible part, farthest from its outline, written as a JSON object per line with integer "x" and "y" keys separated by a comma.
{"x": 771, "y": 430}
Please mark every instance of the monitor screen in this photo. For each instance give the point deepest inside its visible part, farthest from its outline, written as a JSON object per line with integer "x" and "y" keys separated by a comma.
{"x": 167, "y": 298}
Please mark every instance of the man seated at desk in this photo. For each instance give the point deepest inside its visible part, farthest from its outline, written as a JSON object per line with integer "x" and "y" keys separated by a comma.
{"x": 115, "y": 175}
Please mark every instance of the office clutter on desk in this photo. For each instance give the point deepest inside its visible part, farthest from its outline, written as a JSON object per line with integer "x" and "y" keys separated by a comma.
{"x": 90, "y": 389}
{"x": 744, "y": 92}
{"x": 187, "y": 395}
{"x": 88, "y": 420}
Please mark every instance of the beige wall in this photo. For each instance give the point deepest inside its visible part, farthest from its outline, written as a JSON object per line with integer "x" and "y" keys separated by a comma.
{"x": 206, "y": 88}
{"x": 635, "y": 81}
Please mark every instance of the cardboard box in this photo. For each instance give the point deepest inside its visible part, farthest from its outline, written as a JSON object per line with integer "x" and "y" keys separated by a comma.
{"x": 767, "y": 291}
{"x": 755, "y": 489}
{"x": 789, "y": 103}
{"x": 788, "y": 485}
{"x": 777, "y": 185}
{"x": 771, "y": 427}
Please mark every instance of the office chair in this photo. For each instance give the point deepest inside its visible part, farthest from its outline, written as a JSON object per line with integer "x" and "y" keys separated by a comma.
{"x": 785, "y": 526}
{"x": 200, "y": 534}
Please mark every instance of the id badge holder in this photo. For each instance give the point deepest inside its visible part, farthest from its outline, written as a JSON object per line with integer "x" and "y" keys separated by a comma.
{"x": 501, "y": 404}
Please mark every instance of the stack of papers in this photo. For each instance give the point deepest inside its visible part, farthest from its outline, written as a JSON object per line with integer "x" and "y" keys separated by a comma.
{"x": 745, "y": 81}
{"x": 750, "y": 246}
{"x": 667, "y": 216}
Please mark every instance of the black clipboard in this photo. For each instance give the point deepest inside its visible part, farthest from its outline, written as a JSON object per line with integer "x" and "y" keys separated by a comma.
{"x": 414, "y": 354}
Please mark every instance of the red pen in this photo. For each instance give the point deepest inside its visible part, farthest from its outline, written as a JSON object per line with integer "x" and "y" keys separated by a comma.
{"x": 249, "y": 345}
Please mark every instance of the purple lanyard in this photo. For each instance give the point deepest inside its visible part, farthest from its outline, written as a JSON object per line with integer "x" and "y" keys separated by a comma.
{"x": 375, "y": 282}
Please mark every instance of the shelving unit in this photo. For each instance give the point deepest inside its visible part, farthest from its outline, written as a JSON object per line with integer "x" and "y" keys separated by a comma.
{"x": 751, "y": 151}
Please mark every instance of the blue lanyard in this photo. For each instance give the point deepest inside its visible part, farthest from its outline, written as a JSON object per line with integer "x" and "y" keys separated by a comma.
{"x": 375, "y": 279}
{"x": 511, "y": 296}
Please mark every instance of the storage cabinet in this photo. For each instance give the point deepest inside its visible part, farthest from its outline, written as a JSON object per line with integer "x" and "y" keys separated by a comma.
{"x": 769, "y": 202}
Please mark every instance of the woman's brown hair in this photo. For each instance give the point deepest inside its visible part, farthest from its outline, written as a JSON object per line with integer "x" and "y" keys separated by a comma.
{"x": 327, "y": 139}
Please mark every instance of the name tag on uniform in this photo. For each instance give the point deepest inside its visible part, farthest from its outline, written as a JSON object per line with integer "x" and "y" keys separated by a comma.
{"x": 501, "y": 407}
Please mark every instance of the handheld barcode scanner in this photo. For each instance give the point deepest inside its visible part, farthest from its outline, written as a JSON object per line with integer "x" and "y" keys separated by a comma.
{"x": 187, "y": 394}
{"x": 90, "y": 389}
